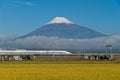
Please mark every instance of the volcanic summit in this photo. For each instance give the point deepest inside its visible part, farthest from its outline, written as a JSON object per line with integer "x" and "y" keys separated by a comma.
{"x": 63, "y": 28}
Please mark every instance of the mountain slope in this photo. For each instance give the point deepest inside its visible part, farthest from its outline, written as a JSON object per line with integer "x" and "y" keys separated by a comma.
{"x": 63, "y": 28}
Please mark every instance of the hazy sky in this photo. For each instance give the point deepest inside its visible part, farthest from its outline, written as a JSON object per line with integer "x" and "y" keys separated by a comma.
{"x": 19, "y": 17}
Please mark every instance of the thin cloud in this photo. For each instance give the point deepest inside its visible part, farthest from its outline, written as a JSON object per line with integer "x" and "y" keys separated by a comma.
{"x": 25, "y": 3}
{"x": 20, "y": 3}
{"x": 29, "y": 4}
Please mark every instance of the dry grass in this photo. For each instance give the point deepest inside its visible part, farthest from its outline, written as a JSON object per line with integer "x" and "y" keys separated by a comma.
{"x": 59, "y": 70}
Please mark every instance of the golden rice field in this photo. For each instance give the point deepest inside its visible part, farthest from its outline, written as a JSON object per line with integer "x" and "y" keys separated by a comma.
{"x": 60, "y": 70}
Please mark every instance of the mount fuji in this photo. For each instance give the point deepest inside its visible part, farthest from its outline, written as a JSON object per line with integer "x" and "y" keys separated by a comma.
{"x": 63, "y": 28}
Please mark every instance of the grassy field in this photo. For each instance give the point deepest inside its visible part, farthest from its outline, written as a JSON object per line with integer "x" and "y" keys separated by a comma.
{"x": 60, "y": 70}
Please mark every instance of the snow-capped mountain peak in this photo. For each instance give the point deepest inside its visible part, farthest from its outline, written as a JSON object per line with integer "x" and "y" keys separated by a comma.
{"x": 60, "y": 20}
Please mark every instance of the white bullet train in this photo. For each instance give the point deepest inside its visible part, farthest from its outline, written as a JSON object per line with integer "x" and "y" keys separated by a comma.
{"x": 27, "y": 52}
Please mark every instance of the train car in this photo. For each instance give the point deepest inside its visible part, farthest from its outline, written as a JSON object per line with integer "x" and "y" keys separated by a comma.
{"x": 31, "y": 52}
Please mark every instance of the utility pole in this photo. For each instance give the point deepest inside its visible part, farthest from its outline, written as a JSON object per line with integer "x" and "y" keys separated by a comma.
{"x": 108, "y": 47}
